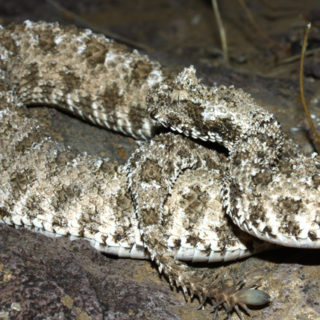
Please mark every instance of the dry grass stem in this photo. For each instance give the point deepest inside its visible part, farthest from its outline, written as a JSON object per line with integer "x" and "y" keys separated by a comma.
{"x": 222, "y": 32}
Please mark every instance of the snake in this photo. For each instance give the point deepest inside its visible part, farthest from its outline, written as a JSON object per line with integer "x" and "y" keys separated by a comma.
{"x": 214, "y": 177}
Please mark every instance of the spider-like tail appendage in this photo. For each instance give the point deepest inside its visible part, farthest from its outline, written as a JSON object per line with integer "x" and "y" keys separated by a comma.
{"x": 236, "y": 297}
{"x": 219, "y": 292}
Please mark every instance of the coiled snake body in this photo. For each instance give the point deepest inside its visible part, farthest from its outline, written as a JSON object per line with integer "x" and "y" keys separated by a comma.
{"x": 175, "y": 198}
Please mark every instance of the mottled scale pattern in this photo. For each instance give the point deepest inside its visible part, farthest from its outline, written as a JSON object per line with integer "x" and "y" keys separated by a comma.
{"x": 270, "y": 189}
{"x": 84, "y": 73}
{"x": 177, "y": 198}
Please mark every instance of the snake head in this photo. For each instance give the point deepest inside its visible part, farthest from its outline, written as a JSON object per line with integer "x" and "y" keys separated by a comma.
{"x": 217, "y": 114}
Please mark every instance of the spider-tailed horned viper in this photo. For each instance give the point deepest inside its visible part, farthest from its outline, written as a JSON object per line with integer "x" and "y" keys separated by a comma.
{"x": 175, "y": 199}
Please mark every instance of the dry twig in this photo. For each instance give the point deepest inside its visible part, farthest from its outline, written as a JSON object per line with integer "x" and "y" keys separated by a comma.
{"x": 222, "y": 32}
{"x": 315, "y": 136}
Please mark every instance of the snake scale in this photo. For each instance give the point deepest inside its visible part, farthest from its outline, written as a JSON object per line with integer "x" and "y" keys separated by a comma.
{"x": 177, "y": 198}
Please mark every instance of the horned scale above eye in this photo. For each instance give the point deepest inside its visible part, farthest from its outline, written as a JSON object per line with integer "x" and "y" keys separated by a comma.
{"x": 265, "y": 186}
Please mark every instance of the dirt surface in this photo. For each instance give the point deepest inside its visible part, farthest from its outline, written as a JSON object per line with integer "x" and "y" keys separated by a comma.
{"x": 42, "y": 278}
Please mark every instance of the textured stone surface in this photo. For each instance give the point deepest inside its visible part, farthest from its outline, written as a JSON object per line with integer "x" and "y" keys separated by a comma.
{"x": 58, "y": 279}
